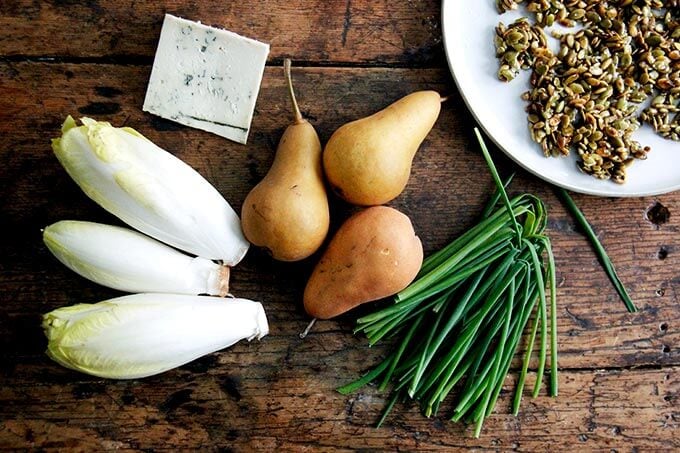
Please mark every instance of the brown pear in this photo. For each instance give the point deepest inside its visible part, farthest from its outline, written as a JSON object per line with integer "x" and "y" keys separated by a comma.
{"x": 287, "y": 212}
{"x": 368, "y": 161}
{"x": 374, "y": 254}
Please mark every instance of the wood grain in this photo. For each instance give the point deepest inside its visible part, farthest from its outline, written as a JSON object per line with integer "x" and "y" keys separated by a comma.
{"x": 447, "y": 188}
{"x": 619, "y": 384}
{"x": 285, "y": 403}
{"x": 357, "y": 32}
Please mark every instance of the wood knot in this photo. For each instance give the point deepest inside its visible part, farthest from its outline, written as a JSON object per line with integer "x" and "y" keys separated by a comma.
{"x": 658, "y": 214}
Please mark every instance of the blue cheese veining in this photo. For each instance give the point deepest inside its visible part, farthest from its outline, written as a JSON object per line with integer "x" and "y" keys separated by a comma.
{"x": 206, "y": 78}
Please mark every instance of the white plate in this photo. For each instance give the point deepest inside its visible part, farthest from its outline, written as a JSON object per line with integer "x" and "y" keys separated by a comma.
{"x": 468, "y": 28}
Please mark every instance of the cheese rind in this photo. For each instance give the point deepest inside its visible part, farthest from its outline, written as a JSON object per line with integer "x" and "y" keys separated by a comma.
{"x": 206, "y": 78}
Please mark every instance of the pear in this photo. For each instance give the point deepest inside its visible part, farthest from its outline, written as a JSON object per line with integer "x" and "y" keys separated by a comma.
{"x": 287, "y": 212}
{"x": 374, "y": 254}
{"x": 368, "y": 161}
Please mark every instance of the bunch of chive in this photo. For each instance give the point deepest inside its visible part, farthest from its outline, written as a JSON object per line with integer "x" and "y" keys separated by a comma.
{"x": 464, "y": 315}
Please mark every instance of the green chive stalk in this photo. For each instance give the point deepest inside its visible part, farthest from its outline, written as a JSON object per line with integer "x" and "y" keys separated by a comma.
{"x": 460, "y": 323}
{"x": 599, "y": 249}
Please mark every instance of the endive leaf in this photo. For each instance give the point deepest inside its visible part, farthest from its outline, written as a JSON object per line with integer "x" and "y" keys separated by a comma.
{"x": 126, "y": 260}
{"x": 145, "y": 334}
{"x": 150, "y": 189}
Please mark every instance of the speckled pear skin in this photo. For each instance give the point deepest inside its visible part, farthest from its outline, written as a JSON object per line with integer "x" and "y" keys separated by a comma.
{"x": 374, "y": 254}
{"x": 368, "y": 161}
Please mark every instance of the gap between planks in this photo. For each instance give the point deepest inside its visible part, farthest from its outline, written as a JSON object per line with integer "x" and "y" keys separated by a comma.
{"x": 143, "y": 60}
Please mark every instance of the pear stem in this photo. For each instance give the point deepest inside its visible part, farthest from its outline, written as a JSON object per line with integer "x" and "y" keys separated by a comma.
{"x": 291, "y": 93}
{"x": 304, "y": 333}
{"x": 443, "y": 99}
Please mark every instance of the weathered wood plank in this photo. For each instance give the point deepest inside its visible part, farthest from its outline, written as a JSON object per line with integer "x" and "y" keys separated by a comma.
{"x": 448, "y": 186}
{"x": 375, "y": 33}
{"x": 279, "y": 393}
{"x": 282, "y": 403}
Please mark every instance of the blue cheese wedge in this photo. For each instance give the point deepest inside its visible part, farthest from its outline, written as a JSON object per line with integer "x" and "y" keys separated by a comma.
{"x": 206, "y": 78}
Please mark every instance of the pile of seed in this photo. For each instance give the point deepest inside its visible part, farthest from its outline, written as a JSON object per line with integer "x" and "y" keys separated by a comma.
{"x": 587, "y": 96}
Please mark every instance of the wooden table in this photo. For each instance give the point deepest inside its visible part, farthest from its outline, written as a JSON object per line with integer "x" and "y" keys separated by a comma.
{"x": 619, "y": 382}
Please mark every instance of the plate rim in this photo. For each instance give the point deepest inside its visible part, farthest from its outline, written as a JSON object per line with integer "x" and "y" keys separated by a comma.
{"x": 473, "y": 112}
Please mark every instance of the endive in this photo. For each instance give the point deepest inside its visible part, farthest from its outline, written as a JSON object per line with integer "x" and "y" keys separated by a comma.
{"x": 124, "y": 259}
{"x": 150, "y": 189}
{"x": 145, "y": 334}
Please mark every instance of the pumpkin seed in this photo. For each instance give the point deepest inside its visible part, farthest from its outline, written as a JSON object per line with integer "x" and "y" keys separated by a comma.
{"x": 587, "y": 95}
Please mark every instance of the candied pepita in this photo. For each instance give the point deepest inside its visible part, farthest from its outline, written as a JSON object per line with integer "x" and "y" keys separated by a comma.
{"x": 586, "y": 97}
